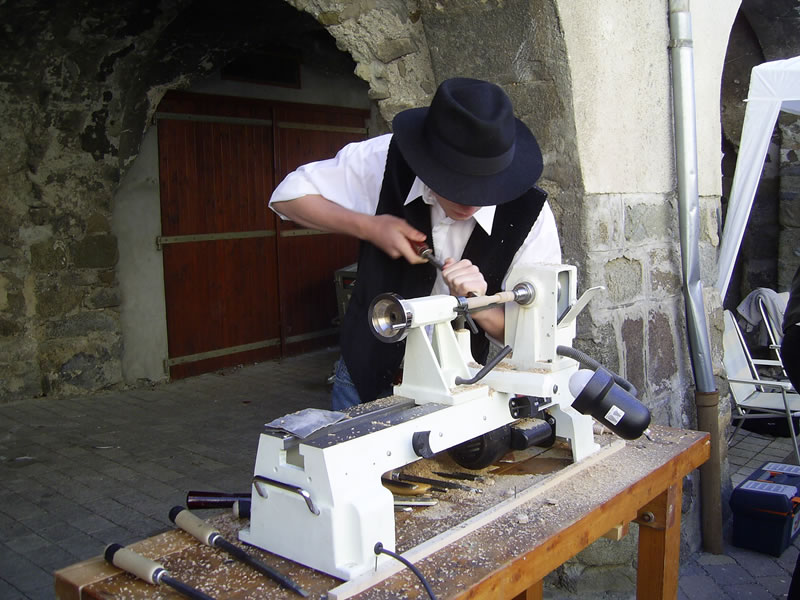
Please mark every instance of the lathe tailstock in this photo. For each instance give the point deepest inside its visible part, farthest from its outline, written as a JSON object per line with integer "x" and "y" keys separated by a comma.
{"x": 319, "y": 500}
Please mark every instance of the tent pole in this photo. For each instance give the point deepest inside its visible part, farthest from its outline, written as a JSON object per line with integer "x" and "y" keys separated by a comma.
{"x": 706, "y": 394}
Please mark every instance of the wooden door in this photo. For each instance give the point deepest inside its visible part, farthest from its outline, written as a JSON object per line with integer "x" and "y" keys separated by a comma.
{"x": 307, "y": 260}
{"x": 232, "y": 296}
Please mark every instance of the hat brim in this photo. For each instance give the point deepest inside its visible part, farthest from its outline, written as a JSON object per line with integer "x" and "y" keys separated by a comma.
{"x": 464, "y": 188}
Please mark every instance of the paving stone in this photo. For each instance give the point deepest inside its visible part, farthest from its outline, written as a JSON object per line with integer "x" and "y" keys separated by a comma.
{"x": 750, "y": 591}
{"x": 701, "y": 587}
{"x": 9, "y": 592}
{"x": 25, "y": 575}
{"x": 730, "y": 574}
{"x": 705, "y": 559}
{"x": 777, "y": 586}
{"x": 757, "y": 564}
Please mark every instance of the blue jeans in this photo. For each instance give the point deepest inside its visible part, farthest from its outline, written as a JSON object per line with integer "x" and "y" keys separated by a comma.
{"x": 344, "y": 393}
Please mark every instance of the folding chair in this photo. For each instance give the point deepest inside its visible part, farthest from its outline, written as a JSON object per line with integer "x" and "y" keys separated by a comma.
{"x": 772, "y": 325}
{"x": 753, "y": 397}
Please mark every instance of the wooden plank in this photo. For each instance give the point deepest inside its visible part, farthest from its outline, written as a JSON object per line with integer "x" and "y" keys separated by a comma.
{"x": 659, "y": 547}
{"x": 307, "y": 263}
{"x": 535, "y": 592}
{"x": 354, "y": 586}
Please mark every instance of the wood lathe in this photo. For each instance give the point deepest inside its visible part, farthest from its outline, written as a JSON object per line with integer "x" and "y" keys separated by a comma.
{"x": 319, "y": 500}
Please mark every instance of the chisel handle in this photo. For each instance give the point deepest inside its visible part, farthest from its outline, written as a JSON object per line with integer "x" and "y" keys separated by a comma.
{"x": 149, "y": 571}
{"x": 135, "y": 564}
{"x": 241, "y": 509}
{"x": 201, "y": 499}
{"x": 193, "y": 525}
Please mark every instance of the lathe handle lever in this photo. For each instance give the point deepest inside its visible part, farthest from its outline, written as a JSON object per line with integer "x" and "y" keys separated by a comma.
{"x": 259, "y": 479}
{"x": 485, "y": 370}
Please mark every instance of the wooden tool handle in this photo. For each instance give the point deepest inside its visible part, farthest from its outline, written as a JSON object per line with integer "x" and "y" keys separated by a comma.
{"x": 483, "y": 301}
{"x": 135, "y": 564}
{"x": 193, "y": 525}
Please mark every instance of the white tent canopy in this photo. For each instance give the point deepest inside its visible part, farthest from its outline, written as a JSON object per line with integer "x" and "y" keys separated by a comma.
{"x": 774, "y": 86}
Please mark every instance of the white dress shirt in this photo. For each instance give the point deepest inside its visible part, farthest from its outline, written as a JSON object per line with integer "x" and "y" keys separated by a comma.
{"x": 353, "y": 179}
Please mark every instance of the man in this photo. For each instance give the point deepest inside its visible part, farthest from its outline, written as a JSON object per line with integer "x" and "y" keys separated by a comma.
{"x": 458, "y": 175}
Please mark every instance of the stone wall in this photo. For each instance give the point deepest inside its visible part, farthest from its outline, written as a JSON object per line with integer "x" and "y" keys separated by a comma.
{"x": 80, "y": 85}
{"x": 62, "y": 115}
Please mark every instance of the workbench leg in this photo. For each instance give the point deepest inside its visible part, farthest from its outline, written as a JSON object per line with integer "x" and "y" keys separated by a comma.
{"x": 534, "y": 592}
{"x": 659, "y": 546}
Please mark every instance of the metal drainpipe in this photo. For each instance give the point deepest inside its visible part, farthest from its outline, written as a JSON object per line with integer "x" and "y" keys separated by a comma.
{"x": 706, "y": 393}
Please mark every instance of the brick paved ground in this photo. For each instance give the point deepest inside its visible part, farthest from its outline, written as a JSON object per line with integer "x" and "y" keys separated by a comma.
{"x": 77, "y": 474}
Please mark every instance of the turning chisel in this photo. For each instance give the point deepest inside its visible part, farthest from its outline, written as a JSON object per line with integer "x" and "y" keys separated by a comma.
{"x": 204, "y": 532}
{"x": 400, "y": 476}
{"x": 149, "y": 570}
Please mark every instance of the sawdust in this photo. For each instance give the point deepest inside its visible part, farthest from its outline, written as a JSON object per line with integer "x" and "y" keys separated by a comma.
{"x": 456, "y": 506}
{"x": 572, "y": 496}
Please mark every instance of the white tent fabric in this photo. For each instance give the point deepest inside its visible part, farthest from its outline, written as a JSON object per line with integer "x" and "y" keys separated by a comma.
{"x": 774, "y": 86}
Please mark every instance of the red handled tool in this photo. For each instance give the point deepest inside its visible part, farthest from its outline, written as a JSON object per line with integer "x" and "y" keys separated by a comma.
{"x": 425, "y": 252}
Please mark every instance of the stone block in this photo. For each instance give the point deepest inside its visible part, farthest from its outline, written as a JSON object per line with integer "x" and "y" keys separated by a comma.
{"x": 47, "y": 256}
{"x": 648, "y": 222}
{"x": 75, "y": 365}
{"x": 665, "y": 271}
{"x": 634, "y": 349}
{"x": 103, "y": 298}
{"x": 623, "y": 279}
{"x": 392, "y": 49}
{"x": 598, "y": 340}
{"x": 53, "y": 298}
{"x": 82, "y": 324}
{"x": 95, "y": 252}
{"x": 661, "y": 338}
{"x": 603, "y": 222}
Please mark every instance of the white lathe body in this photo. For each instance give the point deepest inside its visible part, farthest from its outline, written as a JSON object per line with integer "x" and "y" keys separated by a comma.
{"x": 319, "y": 501}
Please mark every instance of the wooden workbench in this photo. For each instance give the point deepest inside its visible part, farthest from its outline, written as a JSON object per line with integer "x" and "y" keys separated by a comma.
{"x": 503, "y": 556}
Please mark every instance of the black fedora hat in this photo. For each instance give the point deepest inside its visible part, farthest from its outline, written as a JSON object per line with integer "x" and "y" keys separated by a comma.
{"x": 468, "y": 146}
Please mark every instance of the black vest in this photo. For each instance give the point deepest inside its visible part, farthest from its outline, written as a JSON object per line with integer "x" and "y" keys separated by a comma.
{"x": 372, "y": 363}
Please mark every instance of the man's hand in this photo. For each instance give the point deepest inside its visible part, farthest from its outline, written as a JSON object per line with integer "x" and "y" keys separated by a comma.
{"x": 393, "y": 235}
{"x": 463, "y": 278}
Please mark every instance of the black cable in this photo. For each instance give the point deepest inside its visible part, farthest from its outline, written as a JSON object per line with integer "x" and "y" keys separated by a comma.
{"x": 379, "y": 549}
{"x": 588, "y": 361}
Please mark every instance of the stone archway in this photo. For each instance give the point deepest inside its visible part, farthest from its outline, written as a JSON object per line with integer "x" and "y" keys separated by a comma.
{"x": 325, "y": 72}
{"x": 80, "y": 90}
{"x": 763, "y": 31}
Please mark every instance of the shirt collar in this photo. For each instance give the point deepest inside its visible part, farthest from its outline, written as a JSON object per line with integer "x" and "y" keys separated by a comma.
{"x": 483, "y": 217}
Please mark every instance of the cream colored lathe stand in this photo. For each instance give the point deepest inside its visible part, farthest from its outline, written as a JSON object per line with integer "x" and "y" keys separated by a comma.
{"x": 319, "y": 501}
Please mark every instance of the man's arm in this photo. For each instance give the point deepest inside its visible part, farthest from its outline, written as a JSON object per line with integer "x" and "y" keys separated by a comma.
{"x": 462, "y": 277}
{"x": 389, "y": 233}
